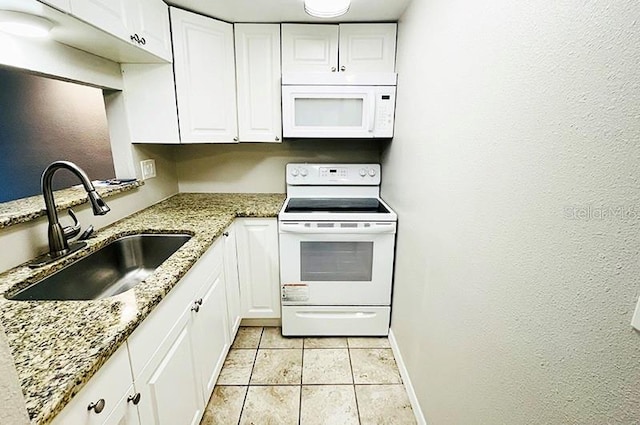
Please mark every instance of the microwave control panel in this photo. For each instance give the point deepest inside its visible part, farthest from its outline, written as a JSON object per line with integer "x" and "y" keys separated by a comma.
{"x": 385, "y": 110}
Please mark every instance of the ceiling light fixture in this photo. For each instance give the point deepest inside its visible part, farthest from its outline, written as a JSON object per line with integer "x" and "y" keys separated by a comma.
{"x": 326, "y": 8}
{"x": 24, "y": 24}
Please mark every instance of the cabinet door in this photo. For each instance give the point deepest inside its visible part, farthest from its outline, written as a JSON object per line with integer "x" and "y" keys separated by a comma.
{"x": 367, "y": 47}
{"x": 107, "y": 387}
{"x": 205, "y": 78}
{"x": 258, "y": 79}
{"x": 210, "y": 329}
{"x": 231, "y": 281}
{"x": 125, "y": 412}
{"x": 258, "y": 267}
{"x": 309, "y": 48}
{"x": 169, "y": 387}
{"x": 149, "y": 20}
{"x": 108, "y": 15}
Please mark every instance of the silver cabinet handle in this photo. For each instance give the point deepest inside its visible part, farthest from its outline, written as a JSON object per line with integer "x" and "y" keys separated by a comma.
{"x": 333, "y": 69}
{"x": 343, "y": 68}
{"x": 235, "y": 139}
{"x": 199, "y": 301}
{"x": 277, "y": 139}
{"x": 98, "y": 406}
{"x": 135, "y": 399}
{"x": 195, "y": 308}
{"x": 225, "y": 234}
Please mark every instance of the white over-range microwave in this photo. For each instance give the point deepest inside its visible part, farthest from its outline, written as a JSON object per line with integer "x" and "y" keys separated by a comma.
{"x": 337, "y": 106}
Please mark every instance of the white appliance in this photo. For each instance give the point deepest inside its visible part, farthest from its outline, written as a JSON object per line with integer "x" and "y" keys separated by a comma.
{"x": 331, "y": 105}
{"x": 337, "y": 240}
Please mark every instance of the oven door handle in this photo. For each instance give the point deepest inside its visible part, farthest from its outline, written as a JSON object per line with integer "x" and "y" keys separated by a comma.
{"x": 301, "y": 229}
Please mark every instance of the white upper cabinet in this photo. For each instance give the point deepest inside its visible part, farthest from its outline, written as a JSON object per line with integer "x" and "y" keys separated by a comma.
{"x": 258, "y": 79}
{"x": 367, "y": 48}
{"x": 338, "y": 48}
{"x": 141, "y": 23}
{"x": 309, "y": 48}
{"x": 149, "y": 26}
{"x": 64, "y": 5}
{"x": 204, "y": 77}
{"x": 108, "y": 15}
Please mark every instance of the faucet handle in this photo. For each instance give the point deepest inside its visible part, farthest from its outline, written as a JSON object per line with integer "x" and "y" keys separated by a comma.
{"x": 72, "y": 231}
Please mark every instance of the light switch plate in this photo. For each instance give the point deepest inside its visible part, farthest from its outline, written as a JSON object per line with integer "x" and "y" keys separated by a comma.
{"x": 635, "y": 322}
{"x": 148, "y": 167}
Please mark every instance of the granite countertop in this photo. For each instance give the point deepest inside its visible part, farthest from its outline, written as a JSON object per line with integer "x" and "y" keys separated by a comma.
{"x": 27, "y": 209}
{"x": 58, "y": 345}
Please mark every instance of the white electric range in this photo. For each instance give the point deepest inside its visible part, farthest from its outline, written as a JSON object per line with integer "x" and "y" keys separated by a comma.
{"x": 337, "y": 239}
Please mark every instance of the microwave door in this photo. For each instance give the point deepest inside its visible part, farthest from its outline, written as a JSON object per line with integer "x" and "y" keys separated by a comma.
{"x": 321, "y": 111}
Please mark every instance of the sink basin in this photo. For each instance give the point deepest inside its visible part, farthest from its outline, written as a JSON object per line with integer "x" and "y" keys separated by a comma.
{"x": 113, "y": 269}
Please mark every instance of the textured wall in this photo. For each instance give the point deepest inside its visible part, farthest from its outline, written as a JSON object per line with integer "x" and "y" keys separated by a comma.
{"x": 259, "y": 167}
{"x": 515, "y": 174}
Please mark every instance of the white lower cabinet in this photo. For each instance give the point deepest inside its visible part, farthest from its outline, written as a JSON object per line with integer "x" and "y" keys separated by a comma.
{"x": 101, "y": 400}
{"x": 258, "y": 267}
{"x": 167, "y": 370}
{"x": 169, "y": 386}
{"x": 232, "y": 282}
{"x": 210, "y": 334}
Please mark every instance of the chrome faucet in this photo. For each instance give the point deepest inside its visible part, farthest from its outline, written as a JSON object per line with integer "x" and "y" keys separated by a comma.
{"x": 58, "y": 235}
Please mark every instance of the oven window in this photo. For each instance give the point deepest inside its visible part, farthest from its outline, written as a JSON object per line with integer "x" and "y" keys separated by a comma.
{"x": 336, "y": 261}
{"x": 327, "y": 112}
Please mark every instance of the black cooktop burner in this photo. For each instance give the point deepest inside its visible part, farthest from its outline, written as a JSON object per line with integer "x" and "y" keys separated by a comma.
{"x": 339, "y": 205}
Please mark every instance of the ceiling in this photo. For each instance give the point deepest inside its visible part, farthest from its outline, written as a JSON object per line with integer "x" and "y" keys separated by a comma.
{"x": 291, "y": 10}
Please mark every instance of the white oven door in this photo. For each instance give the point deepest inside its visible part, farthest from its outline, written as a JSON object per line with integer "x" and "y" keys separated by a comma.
{"x": 327, "y": 263}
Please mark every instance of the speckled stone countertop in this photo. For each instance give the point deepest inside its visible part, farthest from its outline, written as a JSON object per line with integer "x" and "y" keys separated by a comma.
{"x": 58, "y": 345}
{"x": 27, "y": 209}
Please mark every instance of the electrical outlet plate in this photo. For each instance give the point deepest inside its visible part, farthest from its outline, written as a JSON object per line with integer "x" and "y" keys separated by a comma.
{"x": 148, "y": 167}
{"x": 635, "y": 322}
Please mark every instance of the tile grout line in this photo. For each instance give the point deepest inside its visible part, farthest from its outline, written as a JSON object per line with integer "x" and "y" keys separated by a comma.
{"x": 301, "y": 372}
{"x": 250, "y": 375}
{"x": 353, "y": 378}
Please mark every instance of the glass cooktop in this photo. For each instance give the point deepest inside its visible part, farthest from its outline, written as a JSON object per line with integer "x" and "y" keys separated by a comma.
{"x": 339, "y": 205}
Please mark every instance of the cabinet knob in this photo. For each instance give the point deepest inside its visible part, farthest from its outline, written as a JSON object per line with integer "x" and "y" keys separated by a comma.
{"x": 226, "y": 234}
{"x": 97, "y": 406}
{"x": 235, "y": 139}
{"x": 143, "y": 41}
{"x": 333, "y": 69}
{"x": 199, "y": 301}
{"x": 195, "y": 308}
{"x": 277, "y": 139}
{"x": 135, "y": 399}
{"x": 343, "y": 68}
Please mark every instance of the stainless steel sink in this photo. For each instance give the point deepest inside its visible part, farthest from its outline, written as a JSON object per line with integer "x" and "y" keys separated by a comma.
{"x": 113, "y": 269}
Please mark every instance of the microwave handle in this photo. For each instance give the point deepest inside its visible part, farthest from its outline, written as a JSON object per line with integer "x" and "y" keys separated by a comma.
{"x": 372, "y": 113}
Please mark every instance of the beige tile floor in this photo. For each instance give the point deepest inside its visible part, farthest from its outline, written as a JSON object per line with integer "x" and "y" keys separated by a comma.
{"x": 270, "y": 379}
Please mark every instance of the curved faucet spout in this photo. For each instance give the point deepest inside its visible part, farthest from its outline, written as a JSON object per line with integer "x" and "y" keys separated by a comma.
{"x": 58, "y": 245}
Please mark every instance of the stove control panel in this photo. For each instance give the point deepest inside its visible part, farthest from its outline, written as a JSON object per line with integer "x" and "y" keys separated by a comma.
{"x": 333, "y": 174}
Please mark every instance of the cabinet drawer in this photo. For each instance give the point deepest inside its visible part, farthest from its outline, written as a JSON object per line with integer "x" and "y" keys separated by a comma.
{"x": 110, "y": 384}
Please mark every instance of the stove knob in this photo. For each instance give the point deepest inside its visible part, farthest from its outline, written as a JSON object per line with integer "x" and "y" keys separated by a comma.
{"x": 294, "y": 172}
{"x": 303, "y": 172}
{"x": 363, "y": 172}
{"x": 372, "y": 172}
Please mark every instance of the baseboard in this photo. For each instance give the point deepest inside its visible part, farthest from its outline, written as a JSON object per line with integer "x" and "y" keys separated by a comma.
{"x": 404, "y": 374}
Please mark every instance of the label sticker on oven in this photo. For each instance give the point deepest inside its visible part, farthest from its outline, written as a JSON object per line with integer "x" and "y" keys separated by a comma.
{"x": 295, "y": 292}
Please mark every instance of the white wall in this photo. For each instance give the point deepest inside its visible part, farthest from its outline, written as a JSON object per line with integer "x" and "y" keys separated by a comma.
{"x": 259, "y": 167}
{"x": 509, "y": 115}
